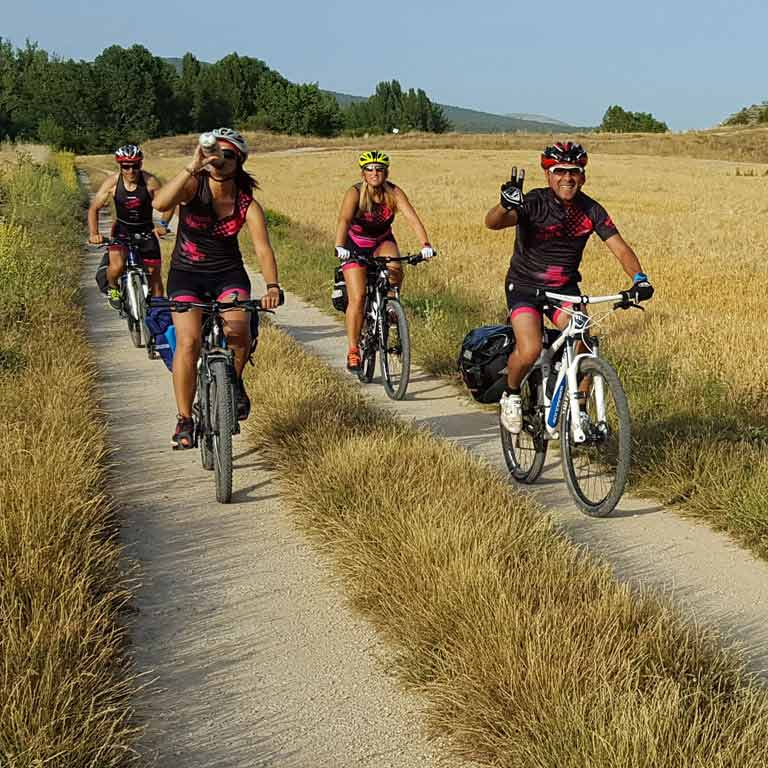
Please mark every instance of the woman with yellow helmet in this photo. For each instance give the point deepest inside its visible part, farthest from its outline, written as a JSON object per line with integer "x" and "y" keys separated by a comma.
{"x": 365, "y": 228}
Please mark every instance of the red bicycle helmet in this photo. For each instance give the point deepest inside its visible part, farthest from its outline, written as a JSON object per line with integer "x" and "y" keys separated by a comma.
{"x": 564, "y": 153}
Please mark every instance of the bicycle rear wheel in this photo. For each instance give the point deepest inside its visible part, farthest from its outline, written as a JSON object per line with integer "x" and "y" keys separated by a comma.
{"x": 596, "y": 470}
{"x": 524, "y": 453}
{"x": 395, "y": 350}
{"x": 222, "y": 410}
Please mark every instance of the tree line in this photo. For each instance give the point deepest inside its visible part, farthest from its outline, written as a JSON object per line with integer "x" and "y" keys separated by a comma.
{"x": 128, "y": 94}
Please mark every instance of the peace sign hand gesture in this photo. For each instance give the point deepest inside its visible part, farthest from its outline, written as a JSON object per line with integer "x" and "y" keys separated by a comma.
{"x": 512, "y": 191}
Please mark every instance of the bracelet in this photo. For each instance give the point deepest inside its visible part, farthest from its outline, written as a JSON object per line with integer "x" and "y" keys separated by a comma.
{"x": 640, "y": 276}
{"x": 273, "y": 285}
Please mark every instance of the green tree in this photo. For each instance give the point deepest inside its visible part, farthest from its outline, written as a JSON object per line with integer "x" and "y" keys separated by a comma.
{"x": 138, "y": 90}
{"x": 618, "y": 120}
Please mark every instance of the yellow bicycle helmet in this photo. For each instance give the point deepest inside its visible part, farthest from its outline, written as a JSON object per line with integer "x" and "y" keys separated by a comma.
{"x": 373, "y": 156}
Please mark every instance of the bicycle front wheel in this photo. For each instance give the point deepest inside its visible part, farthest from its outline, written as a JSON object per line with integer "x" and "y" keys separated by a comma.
{"x": 222, "y": 410}
{"x": 596, "y": 470}
{"x": 203, "y": 421}
{"x": 395, "y": 350}
{"x": 524, "y": 453}
{"x": 136, "y": 309}
{"x": 367, "y": 353}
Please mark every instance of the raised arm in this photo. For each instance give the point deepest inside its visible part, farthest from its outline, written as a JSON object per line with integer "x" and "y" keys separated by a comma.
{"x": 500, "y": 218}
{"x": 257, "y": 227}
{"x": 100, "y": 199}
{"x": 182, "y": 187}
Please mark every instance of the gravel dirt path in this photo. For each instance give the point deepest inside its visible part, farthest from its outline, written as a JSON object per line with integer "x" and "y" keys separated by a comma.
{"x": 250, "y": 654}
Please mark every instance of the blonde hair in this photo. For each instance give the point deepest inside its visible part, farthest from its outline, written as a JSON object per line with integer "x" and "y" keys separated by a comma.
{"x": 367, "y": 201}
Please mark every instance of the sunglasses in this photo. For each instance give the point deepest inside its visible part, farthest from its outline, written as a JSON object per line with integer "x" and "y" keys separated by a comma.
{"x": 567, "y": 171}
{"x": 375, "y": 168}
{"x": 228, "y": 154}
{"x": 130, "y": 166}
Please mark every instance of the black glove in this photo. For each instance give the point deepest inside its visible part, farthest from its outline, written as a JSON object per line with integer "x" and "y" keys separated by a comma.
{"x": 641, "y": 289}
{"x": 512, "y": 191}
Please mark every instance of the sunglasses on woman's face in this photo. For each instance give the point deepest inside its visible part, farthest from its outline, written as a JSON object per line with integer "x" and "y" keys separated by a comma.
{"x": 130, "y": 166}
{"x": 228, "y": 154}
{"x": 375, "y": 168}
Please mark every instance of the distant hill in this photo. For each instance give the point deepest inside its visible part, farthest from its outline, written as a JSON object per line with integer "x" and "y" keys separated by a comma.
{"x": 536, "y": 118}
{"x": 474, "y": 121}
{"x": 462, "y": 119}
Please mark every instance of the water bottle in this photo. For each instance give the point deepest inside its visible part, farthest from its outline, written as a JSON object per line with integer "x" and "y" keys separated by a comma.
{"x": 210, "y": 145}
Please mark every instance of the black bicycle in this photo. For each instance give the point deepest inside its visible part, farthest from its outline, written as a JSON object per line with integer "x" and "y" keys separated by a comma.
{"x": 134, "y": 289}
{"x": 385, "y": 327}
{"x": 215, "y": 402}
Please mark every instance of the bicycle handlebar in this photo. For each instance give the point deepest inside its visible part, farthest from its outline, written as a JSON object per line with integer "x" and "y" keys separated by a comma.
{"x": 411, "y": 258}
{"x": 249, "y": 305}
{"x": 623, "y": 299}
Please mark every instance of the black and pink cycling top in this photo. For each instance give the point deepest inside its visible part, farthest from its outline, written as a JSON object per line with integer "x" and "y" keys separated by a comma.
{"x": 133, "y": 208}
{"x": 551, "y": 238}
{"x": 203, "y": 241}
{"x": 371, "y": 228}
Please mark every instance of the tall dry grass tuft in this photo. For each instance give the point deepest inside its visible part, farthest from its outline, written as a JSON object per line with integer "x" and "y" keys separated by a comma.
{"x": 526, "y": 650}
{"x": 65, "y": 687}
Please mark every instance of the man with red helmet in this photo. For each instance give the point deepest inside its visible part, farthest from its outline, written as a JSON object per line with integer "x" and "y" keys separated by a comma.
{"x": 132, "y": 190}
{"x": 553, "y": 225}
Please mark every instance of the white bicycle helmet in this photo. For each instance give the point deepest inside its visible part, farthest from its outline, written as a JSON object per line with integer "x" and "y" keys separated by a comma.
{"x": 129, "y": 153}
{"x": 233, "y": 137}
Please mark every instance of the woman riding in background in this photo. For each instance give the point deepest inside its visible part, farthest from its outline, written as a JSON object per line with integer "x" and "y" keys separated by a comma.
{"x": 132, "y": 189}
{"x": 215, "y": 195}
{"x": 365, "y": 228}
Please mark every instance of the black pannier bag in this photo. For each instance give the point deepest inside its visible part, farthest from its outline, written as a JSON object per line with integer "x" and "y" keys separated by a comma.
{"x": 339, "y": 292}
{"x": 483, "y": 361}
{"x": 101, "y": 273}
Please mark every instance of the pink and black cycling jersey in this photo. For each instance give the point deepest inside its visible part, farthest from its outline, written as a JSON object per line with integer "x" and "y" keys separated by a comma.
{"x": 551, "y": 238}
{"x": 205, "y": 243}
{"x": 371, "y": 228}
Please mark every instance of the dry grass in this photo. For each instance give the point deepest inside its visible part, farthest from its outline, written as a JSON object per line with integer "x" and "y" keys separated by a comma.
{"x": 526, "y": 651}
{"x": 65, "y": 691}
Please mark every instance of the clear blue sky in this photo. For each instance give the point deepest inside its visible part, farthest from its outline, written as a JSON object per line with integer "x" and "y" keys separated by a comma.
{"x": 689, "y": 63}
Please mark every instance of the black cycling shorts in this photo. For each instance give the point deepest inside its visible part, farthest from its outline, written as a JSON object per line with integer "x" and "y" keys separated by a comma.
{"x": 149, "y": 248}
{"x": 519, "y": 303}
{"x": 186, "y": 285}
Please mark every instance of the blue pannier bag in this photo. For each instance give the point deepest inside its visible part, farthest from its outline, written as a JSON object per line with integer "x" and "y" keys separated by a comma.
{"x": 160, "y": 325}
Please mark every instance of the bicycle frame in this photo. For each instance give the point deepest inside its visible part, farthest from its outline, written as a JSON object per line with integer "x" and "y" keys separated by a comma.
{"x": 551, "y": 398}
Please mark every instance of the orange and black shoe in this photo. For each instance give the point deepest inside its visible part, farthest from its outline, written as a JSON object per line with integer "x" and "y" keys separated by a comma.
{"x": 353, "y": 360}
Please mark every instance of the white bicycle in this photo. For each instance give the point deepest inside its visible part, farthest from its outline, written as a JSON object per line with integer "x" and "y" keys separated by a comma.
{"x": 578, "y": 399}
